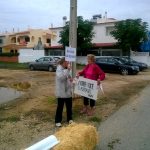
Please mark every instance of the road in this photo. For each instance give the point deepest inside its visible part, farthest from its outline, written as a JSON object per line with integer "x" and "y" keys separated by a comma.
{"x": 129, "y": 127}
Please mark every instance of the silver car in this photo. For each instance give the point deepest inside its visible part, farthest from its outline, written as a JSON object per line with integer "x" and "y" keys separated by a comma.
{"x": 44, "y": 63}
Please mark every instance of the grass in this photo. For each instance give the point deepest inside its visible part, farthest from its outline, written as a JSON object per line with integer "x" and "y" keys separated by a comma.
{"x": 51, "y": 100}
{"x": 13, "y": 65}
{"x": 126, "y": 92}
{"x": 18, "y": 66}
{"x": 95, "y": 119}
{"x": 10, "y": 119}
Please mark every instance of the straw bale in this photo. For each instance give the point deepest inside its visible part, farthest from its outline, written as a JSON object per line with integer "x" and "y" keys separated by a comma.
{"x": 76, "y": 137}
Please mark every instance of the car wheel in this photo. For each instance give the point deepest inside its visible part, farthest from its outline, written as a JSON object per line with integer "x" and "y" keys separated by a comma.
{"x": 31, "y": 68}
{"x": 124, "y": 71}
{"x": 50, "y": 68}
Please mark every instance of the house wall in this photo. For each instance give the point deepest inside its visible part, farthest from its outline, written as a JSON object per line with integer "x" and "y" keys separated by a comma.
{"x": 55, "y": 36}
{"x": 36, "y": 34}
{"x": 5, "y": 39}
{"x": 28, "y": 55}
{"x": 100, "y": 30}
{"x": 101, "y": 36}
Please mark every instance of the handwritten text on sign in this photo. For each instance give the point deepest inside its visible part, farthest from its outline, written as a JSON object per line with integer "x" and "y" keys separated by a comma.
{"x": 70, "y": 54}
{"x": 86, "y": 87}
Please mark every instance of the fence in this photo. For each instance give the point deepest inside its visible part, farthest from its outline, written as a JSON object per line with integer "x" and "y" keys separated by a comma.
{"x": 28, "y": 55}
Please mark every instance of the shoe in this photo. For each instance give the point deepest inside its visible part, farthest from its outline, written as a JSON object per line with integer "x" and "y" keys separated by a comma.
{"x": 71, "y": 121}
{"x": 58, "y": 124}
{"x": 84, "y": 110}
{"x": 90, "y": 112}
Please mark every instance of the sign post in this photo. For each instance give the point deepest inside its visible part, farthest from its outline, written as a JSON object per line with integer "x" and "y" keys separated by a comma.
{"x": 73, "y": 30}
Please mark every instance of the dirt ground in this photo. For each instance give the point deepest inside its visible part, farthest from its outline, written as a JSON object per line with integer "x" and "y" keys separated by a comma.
{"x": 30, "y": 118}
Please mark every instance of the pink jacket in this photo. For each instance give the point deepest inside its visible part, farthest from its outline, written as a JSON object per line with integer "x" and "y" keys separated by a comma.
{"x": 93, "y": 72}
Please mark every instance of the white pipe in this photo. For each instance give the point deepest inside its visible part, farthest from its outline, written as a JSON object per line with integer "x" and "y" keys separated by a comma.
{"x": 45, "y": 144}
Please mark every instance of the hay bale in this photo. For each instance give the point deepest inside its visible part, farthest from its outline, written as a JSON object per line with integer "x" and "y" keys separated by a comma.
{"x": 21, "y": 85}
{"x": 77, "y": 137}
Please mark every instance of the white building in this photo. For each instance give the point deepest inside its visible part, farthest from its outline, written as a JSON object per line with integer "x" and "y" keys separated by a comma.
{"x": 103, "y": 42}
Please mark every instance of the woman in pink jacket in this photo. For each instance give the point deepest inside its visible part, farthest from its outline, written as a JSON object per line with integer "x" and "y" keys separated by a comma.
{"x": 94, "y": 72}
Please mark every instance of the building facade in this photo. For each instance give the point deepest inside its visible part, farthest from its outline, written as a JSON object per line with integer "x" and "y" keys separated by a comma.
{"x": 103, "y": 42}
{"x": 30, "y": 39}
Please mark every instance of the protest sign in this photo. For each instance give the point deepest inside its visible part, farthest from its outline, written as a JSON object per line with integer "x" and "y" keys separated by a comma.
{"x": 70, "y": 54}
{"x": 86, "y": 87}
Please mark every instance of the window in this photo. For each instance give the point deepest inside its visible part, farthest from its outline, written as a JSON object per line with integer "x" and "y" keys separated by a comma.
{"x": 13, "y": 40}
{"x": 47, "y": 59}
{"x": 48, "y": 40}
{"x": 40, "y": 60}
{"x": 11, "y": 51}
{"x": 108, "y": 30}
{"x": 101, "y": 60}
{"x": 27, "y": 39}
{"x": 110, "y": 61}
{"x": 1, "y": 41}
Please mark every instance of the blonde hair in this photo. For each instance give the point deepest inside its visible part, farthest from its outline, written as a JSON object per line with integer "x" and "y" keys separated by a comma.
{"x": 91, "y": 57}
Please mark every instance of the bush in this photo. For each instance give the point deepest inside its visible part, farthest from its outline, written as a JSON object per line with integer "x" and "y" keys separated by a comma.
{"x": 9, "y": 54}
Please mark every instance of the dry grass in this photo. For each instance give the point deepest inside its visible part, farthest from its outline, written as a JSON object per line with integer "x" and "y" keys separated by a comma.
{"x": 35, "y": 111}
{"x": 76, "y": 137}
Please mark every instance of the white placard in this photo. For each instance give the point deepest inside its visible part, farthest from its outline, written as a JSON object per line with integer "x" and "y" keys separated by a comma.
{"x": 86, "y": 87}
{"x": 70, "y": 54}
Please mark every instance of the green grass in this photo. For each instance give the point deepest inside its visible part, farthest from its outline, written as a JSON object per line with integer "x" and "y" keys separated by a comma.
{"x": 10, "y": 119}
{"x": 13, "y": 65}
{"x": 95, "y": 119}
{"x": 79, "y": 66}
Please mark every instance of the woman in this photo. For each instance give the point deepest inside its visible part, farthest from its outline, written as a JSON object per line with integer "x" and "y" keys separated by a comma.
{"x": 91, "y": 71}
{"x": 63, "y": 91}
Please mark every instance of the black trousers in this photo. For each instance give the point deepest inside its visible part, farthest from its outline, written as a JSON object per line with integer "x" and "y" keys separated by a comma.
{"x": 60, "y": 106}
{"x": 87, "y": 100}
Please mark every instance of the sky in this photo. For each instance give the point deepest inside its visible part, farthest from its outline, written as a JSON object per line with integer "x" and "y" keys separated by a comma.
{"x": 42, "y": 14}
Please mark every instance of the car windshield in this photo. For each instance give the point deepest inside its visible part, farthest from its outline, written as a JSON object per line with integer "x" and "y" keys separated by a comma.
{"x": 127, "y": 59}
{"x": 56, "y": 58}
{"x": 119, "y": 61}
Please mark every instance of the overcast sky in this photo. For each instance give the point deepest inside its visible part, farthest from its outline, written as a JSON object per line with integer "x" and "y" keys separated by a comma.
{"x": 22, "y": 14}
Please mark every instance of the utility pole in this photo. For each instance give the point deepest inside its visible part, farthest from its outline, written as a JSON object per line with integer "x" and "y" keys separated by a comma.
{"x": 73, "y": 30}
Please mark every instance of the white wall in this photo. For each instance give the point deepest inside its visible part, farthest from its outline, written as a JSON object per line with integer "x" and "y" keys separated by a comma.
{"x": 144, "y": 59}
{"x": 99, "y": 30}
{"x": 100, "y": 34}
{"x": 56, "y": 38}
{"x": 28, "y": 55}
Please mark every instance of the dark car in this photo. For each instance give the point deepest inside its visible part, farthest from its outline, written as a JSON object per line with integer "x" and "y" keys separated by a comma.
{"x": 44, "y": 63}
{"x": 129, "y": 61}
{"x": 109, "y": 64}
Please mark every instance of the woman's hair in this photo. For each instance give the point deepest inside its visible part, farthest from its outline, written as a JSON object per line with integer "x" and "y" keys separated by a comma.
{"x": 61, "y": 61}
{"x": 91, "y": 57}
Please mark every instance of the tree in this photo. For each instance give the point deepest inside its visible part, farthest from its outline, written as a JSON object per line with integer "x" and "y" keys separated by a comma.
{"x": 130, "y": 34}
{"x": 84, "y": 35}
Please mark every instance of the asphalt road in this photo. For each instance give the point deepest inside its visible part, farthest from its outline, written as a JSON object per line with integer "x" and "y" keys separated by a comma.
{"x": 129, "y": 127}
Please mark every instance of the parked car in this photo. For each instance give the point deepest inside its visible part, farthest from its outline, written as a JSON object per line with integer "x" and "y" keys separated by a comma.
{"x": 44, "y": 63}
{"x": 129, "y": 61}
{"x": 109, "y": 64}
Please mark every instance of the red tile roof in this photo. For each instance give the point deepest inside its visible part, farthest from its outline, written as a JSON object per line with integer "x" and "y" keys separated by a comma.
{"x": 103, "y": 44}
